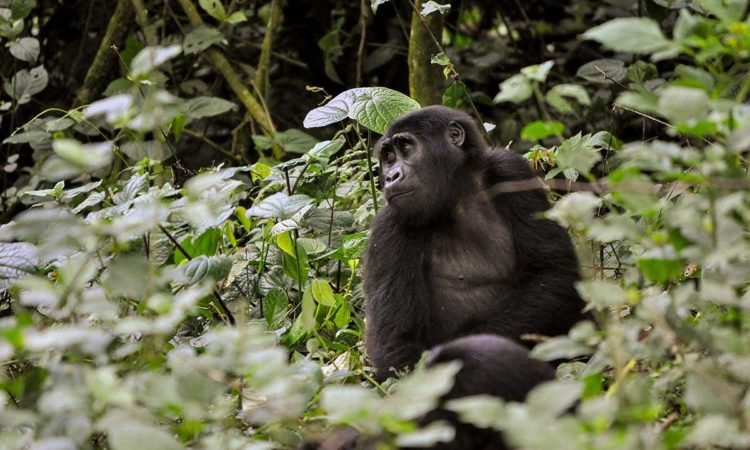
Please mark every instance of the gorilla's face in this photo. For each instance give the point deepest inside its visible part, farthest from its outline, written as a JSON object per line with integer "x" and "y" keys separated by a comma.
{"x": 419, "y": 166}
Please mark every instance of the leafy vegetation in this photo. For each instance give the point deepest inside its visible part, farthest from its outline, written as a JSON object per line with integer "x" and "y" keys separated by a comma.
{"x": 177, "y": 271}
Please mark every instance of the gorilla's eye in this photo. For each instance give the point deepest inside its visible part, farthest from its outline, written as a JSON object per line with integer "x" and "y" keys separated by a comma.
{"x": 389, "y": 155}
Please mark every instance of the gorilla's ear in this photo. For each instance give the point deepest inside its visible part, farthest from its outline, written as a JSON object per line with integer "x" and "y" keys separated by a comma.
{"x": 455, "y": 134}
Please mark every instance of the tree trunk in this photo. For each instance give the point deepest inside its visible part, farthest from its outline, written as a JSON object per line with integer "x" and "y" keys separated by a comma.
{"x": 426, "y": 80}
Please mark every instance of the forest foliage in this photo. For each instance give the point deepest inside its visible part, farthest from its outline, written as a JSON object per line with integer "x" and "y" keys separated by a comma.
{"x": 185, "y": 209}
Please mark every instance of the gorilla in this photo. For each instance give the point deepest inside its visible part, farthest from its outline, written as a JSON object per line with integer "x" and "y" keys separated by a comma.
{"x": 461, "y": 248}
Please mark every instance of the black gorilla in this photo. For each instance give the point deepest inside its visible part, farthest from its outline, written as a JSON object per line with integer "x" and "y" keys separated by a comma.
{"x": 490, "y": 365}
{"x": 460, "y": 248}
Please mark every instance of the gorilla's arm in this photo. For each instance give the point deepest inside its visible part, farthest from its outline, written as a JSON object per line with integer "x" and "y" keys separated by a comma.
{"x": 547, "y": 300}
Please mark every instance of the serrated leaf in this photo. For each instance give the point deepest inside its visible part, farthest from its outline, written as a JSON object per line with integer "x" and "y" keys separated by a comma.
{"x": 377, "y": 107}
{"x": 630, "y": 34}
{"x": 152, "y": 57}
{"x": 603, "y": 70}
{"x": 515, "y": 89}
{"x": 25, "y": 49}
{"x": 17, "y": 259}
{"x": 200, "y": 39}
{"x": 577, "y": 153}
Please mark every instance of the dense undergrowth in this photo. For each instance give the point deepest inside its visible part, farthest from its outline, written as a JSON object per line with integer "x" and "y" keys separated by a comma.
{"x": 146, "y": 310}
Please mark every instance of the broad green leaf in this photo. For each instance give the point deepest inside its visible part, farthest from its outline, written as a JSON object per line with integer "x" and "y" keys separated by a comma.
{"x": 295, "y": 141}
{"x": 21, "y": 8}
{"x": 200, "y": 39}
{"x": 214, "y": 8}
{"x": 152, "y": 57}
{"x": 26, "y": 83}
{"x": 630, "y": 34}
{"x": 112, "y": 107}
{"x": 17, "y": 259}
{"x": 484, "y": 411}
{"x": 602, "y": 294}
{"x": 603, "y": 70}
{"x": 202, "y": 267}
{"x": 26, "y": 49}
{"x": 322, "y": 151}
{"x": 336, "y": 110}
{"x": 728, "y": 11}
{"x": 515, "y": 89}
{"x": 540, "y": 129}
{"x": 428, "y": 436}
{"x": 554, "y": 397}
{"x": 560, "y": 347}
{"x": 575, "y": 209}
{"x": 346, "y": 403}
{"x": 136, "y": 436}
{"x": 322, "y": 292}
{"x": 308, "y": 310}
{"x": 538, "y": 72}
{"x": 28, "y": 137}
{"x": 558, "y": 97}
{"x": 680, "y": 104}
{"x": 275, "y": 304}
{"x": 279, "y": 206}
{"x": 377, "y": 107}
{"x": 199, "y": 107}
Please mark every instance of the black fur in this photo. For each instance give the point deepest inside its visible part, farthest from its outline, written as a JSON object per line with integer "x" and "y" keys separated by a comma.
{"x": 460, "y": 248}
{"x": 490, "y": 365}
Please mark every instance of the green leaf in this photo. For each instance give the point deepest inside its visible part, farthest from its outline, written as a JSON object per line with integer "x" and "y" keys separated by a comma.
{"x": 428, "y": 436}
{"x": 603, "y": 70}
{"x": 660, "y": 270}
{"x": 214, "y": 8}
{"x": 540, "y": 129}
{"x": 295, "y": 141}
{"x": 17, "y": 259}
{"x": 554, "y": 397}
{"x": 728, "y": 11}
{"x": 26, "y": 83}
{"x": 152, "y": 57}
{"x": 374, "y": 108}
{"x": 25, "y": 49}
{"x": 538, "y": 72}
{"x": 28, "y": 137}
{"x": 343, "y": 314}
{"x": 334, "y": 111}
{"x": 279, "y": 206}
{"x": 136, "y": 436}
{"x": 560, "y": 347}
{"x": 515, "y": 89}
{"x": 322, "y": 292}
{"x": 441, "y": 59}
{"x": 201, "y": 38}
{"x": 557, "y": 97}
{"x": 275, "y": 304}
{"x": 200, "y": 107}
{"x": 322, "y": 151}
{"x": 578, "y": 153}
{"x": 21, "y": 8}
{"x": 631, "y": 34}
{"x": 308, "y": 310}
{"x": 681, "y": 104}
{"x": 377, "y": 107}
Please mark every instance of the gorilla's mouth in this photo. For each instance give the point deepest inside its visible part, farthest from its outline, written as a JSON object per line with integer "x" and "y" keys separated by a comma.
{"x": 399, "y": 194}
